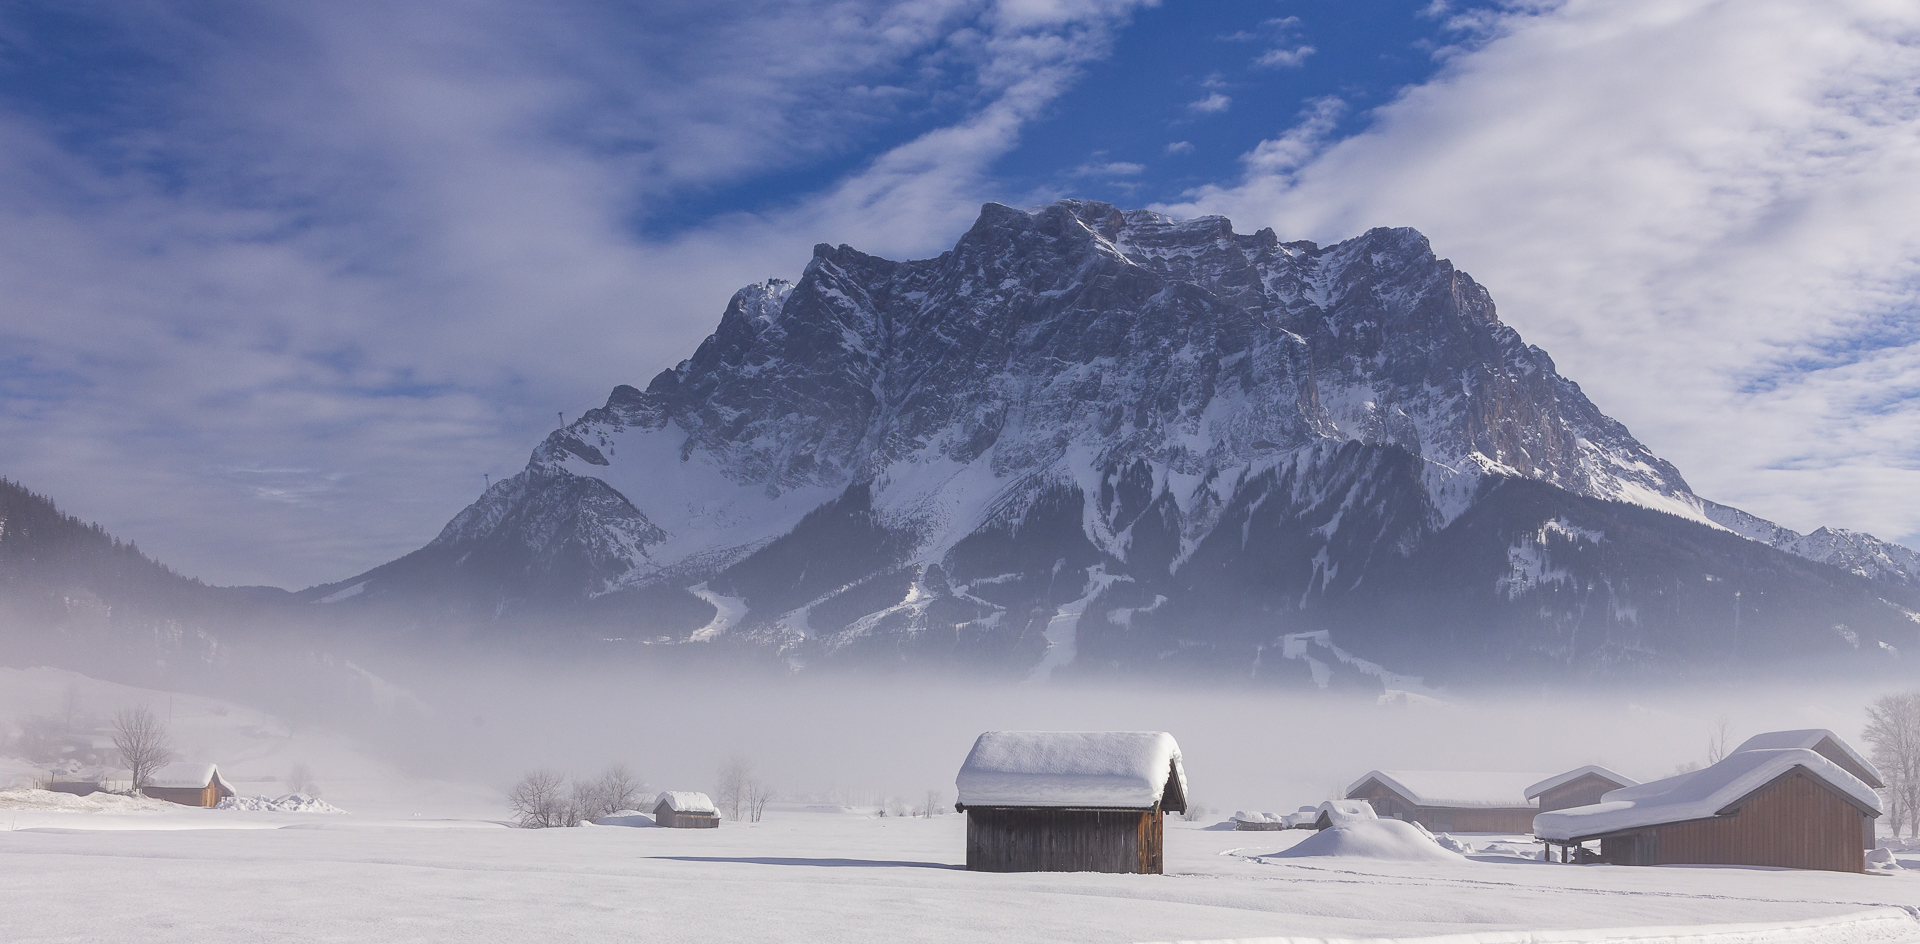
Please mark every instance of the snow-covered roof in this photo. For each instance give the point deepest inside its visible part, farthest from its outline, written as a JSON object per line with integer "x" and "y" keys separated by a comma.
{"x": 1697, "y": 794}
{"x": 686, "y": 802}
{"x": 1342, "y": 812}
{"x": 1811, "y": 738}
{"x": 1254, "y": 816}
{"x": 1456, "y": 788}
{"x": 185, "y": 775}
{"x": 1561, "y": 780}
{"x": 1107, "y": 769}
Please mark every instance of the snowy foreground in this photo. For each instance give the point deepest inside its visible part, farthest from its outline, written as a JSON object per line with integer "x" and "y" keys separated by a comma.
{"x": 214, "y": 876}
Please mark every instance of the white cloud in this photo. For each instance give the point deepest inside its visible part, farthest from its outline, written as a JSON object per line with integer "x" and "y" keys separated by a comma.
{"x": 1703, "y": 208}
{"x": 1285, "y": 58}
{"x": 392, "y": 241}
{"x": 1213, "y": 104}
{"x": 1108, "y": 169}
{"x": 1180, "y": 147}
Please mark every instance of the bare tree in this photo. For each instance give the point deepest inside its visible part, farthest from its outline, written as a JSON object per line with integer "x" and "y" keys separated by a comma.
{"x": 141, "y": 738}
{"x": 589, "y": 801}
{"x": 1195, "y": 812}
{"x": 1893, "y": 730}
{"x": 1720, "y": 740}
{"x": 933, "y": 802}
{"x": 620, "y": 788}
{"x": 541, "y": 801}
{"x": 734, "y": 775}
{"x": 754, "y": 794}
{"x": 300, "y": 780}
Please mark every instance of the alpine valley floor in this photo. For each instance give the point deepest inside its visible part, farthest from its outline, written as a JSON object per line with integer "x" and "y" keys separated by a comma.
{"x": 807, "y": 875}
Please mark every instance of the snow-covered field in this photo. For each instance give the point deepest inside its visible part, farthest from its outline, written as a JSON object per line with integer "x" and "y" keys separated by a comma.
{"x": 391, "y": 856}
{"x": 195, "y": 875}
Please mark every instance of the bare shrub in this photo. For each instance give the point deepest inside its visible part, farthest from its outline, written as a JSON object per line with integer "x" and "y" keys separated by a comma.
{"x": 754, "y": 795}
{"x": 300, "y": 780}
{"x": 143, "y": 743}
{"x": 1196, "y": 812}
{"x": 540, "y": 801}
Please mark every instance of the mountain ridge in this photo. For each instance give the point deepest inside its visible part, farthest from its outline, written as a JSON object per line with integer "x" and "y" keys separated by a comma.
{"x": 1098, "y": 385}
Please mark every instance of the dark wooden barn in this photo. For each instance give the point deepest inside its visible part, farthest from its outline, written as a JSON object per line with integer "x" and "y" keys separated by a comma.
{"x": 682, "y": 810}
{"x": 1581, "y": 786}
{"x": 1070, "y": 801}
{"x": 1788, "y": 808}
{"x": 1450, "y": 801}
{"x": 188, "y": 784}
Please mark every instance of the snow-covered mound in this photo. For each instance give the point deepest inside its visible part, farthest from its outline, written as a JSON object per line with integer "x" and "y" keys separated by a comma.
{"x": 290, "y": 803}
{"x": 49, "y": 801}
{"x": 1342, "y": 812}
{"x": 1372, "y": 839}
{"x": 625, "y": 818}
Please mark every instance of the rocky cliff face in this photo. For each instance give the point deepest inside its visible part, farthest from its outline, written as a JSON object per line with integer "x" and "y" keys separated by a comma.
{"x": 1093, "y": 440}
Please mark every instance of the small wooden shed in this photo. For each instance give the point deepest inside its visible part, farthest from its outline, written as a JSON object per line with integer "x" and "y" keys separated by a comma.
{"x": 1451, "y": 801}
{"x": 1577, "y": 787}
{"x": 1070, "y": 801}
{"x": 188, "y": 783}
{"x": 684, "y": 810}
{"x": 1787, "y": 808}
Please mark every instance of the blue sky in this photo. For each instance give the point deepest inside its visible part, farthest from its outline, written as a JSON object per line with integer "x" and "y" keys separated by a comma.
{"x": 283, "y": 280}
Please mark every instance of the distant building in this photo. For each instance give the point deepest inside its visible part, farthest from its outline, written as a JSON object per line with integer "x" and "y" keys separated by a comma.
{"x": 1788, "y": 808}
{"x": 1451, "y": 801}
{"x": 1070, "y": 801}
{"x": 680, "y": 810}
{"x": 86, "y": 781}
{"x": 188, "y": 784}
{"x": 1577, "y": 787}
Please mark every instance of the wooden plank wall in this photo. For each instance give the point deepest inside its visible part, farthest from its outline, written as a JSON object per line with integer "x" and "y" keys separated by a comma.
{"x": 185, "y": 796}
{"x": 1476, "y": 819}
{"x": 1796, "y": 822}
{"x": 1029, "y": 839}
{"x": 1580, "y": 791}
{"x": 662, "y": 816}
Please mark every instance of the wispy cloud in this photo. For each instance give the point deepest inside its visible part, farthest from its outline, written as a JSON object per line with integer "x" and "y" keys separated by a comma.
{"x": 1704, "y": 209}
{"x": 1213, "y": 104}
{"x": 1285, "y": 58}
{"x": 1180, "y": 147}
{"x": 1108, "y": 169}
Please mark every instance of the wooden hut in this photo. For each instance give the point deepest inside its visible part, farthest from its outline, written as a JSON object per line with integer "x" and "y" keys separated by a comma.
{"x": 1828, "y": 745}
{"x": 681, "y": 810}
{"x": 1070, "y": 801}
{"x": 1788, "y": 808}
{"x": 1450, "y": 801}
{"x": 188, "y": 784}
{"x": 1577, "y": 787}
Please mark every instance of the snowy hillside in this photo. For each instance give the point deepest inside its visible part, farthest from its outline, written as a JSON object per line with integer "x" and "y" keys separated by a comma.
{"x": 1090, "y": 440}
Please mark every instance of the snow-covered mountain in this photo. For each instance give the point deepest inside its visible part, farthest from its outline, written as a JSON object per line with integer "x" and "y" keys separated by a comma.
{"x": 1088, "y": 439}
